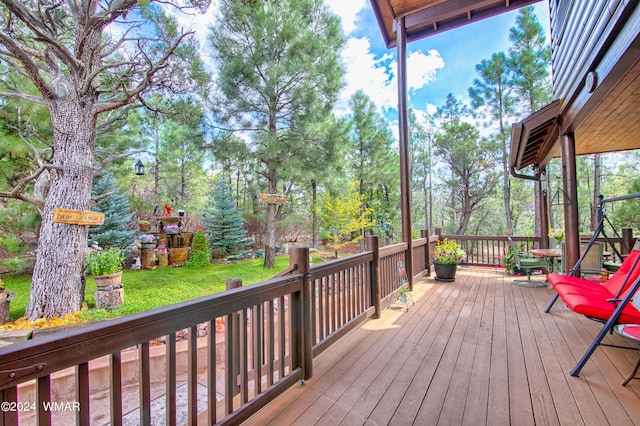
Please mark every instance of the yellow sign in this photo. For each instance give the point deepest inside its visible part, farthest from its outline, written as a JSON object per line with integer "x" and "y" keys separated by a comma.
{"x": 77, "y": 217}
{"x": 273, "y": 199}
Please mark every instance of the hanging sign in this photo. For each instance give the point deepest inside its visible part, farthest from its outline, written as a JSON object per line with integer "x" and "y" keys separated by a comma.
{"x": 273, "y": 199}
{"x": 77, "y": 217}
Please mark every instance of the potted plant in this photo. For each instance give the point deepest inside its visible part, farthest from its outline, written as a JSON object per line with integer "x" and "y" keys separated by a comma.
{"x": 171, "y": 229}
{"x": 446, "y": 257}
{"x": 106, "y": 266}
{"x": 147, "y": 242}
{"x": 558, "y": 235}
{"x": 144, "y": 225}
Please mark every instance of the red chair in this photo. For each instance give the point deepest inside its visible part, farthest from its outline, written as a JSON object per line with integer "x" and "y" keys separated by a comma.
{"x": 607, "y": 302}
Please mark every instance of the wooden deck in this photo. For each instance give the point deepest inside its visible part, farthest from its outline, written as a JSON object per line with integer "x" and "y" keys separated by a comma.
{"x": 476, "y": 351}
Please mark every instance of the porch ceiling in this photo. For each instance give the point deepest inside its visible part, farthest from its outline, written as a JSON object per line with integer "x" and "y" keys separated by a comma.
{"x": 427, "y": 17}
{"x": 613, "y": 124}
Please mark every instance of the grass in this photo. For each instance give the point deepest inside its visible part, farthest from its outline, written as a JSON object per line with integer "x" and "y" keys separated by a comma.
{"x": 148, "y": 289}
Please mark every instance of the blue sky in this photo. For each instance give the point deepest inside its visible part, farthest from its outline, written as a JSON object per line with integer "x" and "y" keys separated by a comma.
{"x": 436, "y": 65}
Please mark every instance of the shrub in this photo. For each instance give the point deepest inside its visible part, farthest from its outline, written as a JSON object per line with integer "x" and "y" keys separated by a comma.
{"x": 200, "y": 251}
{"x": 105, "y": 262}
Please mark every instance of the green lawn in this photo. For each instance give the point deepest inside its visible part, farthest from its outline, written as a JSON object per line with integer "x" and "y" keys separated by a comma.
{"x": 148, "y": 289}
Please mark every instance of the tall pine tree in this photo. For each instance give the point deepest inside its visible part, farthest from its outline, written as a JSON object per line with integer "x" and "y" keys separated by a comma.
{"x": 118, "y": 218}
{"x": 224, "y": 225}
{"x": 278, "y": 71}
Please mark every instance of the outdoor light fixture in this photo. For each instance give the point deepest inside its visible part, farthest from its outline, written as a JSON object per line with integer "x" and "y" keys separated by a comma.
{"x": 139, "y": 167}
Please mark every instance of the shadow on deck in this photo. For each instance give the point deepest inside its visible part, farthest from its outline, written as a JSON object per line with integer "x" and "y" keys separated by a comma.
{"x": 476, "y": 351}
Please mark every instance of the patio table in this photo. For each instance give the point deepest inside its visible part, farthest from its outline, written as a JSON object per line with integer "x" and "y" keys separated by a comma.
{"x": 552, "y": 254}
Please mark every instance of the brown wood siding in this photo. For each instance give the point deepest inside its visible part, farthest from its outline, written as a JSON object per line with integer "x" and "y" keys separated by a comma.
{"x": 581, "y": 38}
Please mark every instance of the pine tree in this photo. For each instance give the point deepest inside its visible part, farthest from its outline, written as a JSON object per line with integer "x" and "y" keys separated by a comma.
{"x": 118, "y": 218}
{"x": 200, "y": 251}
{"x": 224, "y": 225}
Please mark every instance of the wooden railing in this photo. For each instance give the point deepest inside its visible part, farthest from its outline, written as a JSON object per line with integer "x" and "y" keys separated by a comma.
{"x": 489, "y": 250}
{"x": 260, "y": 340}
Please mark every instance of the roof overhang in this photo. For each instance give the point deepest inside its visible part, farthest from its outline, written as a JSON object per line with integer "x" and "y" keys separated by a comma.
{"x": 533, "y": 140}
{"x": 427, "y": 17}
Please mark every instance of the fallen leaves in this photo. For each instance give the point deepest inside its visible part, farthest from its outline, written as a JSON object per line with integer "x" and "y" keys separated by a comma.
{"x": 23, "y": 323}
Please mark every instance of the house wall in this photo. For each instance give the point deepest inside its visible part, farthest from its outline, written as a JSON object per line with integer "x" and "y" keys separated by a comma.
{"x": 589, "y": 35}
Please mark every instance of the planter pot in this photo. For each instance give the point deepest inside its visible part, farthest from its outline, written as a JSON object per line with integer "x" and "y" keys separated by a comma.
{"x": 178, "y": 256}
{"x": 145, "y": 226}
{"x": 186, "y": 239}
{"x": 148, "y": 246}
{"x": 172, "y": 231}
{"x": 445, "y": 272}
{"x": 109, "y": 279}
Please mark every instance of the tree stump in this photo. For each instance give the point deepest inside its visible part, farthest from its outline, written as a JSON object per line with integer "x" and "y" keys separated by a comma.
{"x": 148, "y": 259}
{"x": 109, "y": 299}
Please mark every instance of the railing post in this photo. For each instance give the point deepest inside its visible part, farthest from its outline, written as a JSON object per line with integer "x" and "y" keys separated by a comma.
{"x": 299, "y": 256}
{"x": 427, "y": 251}
{"x": 373, "y": 244}
{"x": 233, "y": 338}
{"x": 627, "y": 240}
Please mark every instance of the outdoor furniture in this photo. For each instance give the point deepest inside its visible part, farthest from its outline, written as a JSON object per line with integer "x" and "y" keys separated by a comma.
{"x": 613, "y": 266}
{"x": 607, "y": 302}
{"x": 554, "y": 256}
{"x": 591, "y": 259}
{"x": 631, "y": 331}
{"x": 528, "y": 264}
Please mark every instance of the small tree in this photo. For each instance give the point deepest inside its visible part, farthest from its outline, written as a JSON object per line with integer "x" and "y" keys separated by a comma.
{"x": 343, "y": 217}
{"x": 200, "y": 251}
{"x": 224, "y": 225}
{"x": 118, "y": 218}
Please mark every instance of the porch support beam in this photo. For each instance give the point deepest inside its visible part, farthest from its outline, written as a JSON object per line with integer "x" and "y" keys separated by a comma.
{"x": 570, "y": 187}
{"x": 543, "y": 203}
{"x": 403, "y": 142}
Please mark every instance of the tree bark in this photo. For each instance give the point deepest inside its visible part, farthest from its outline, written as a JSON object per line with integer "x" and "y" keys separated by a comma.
{"x": 57, "y": 283}
{"x": 314, "y": 214}
{"x": 270, "y": 233}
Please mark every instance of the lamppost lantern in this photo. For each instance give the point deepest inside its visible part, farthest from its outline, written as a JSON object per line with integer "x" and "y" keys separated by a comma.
{"x": 139, "y": 167}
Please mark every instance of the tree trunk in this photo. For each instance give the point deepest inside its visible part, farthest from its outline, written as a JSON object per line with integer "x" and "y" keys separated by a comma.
{"x": 57, "y": 286}
{"x": 506, "y": 182}
{"x": 596, "y": 192}
{"x": 314, "y": 214}
{"x": 270, "y": 233}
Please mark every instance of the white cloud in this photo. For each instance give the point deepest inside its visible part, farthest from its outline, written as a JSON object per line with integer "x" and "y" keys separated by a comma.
{"x": 366, "y": 72}
{"x": 347, "y": 10}
{"x": 421, "y": 68}
{"x": 376, "y": 76}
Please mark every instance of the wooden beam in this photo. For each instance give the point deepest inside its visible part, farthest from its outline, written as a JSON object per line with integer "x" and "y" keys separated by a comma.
{"x": 403, "y": 142}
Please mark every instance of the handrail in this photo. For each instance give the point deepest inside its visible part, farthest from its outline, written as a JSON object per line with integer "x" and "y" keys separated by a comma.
{"x": 272, "y": 330}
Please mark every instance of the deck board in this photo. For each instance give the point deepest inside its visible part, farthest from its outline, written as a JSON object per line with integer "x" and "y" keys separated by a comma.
{"x": 477, "y": 351}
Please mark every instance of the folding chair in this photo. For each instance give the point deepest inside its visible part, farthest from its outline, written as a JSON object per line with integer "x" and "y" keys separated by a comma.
{"x": 528, "y": 264}
{"x": 592, "y": 260}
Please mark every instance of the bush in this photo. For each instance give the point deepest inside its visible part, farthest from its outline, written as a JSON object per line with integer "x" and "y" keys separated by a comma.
{"x": 200, "y": 252}
{"x": 105, "y": 262}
